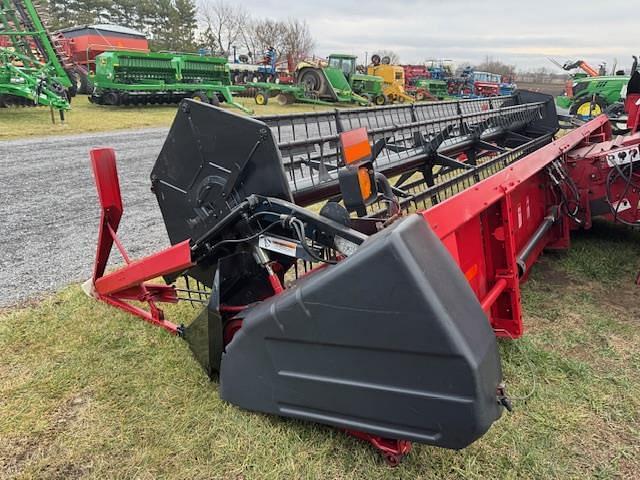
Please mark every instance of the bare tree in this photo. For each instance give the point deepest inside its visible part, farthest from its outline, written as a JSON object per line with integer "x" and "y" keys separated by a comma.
{"x": 223, "y": 23}
{"x": 297, "y": 40}
{"x": 496, "y": 66}
{"x": 259, "y": 35}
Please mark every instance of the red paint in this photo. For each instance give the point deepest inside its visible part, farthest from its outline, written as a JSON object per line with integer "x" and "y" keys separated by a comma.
{"x": 129, "y": 282}
{"x": 392, "y": 450}
{"x": 486, "y": 226}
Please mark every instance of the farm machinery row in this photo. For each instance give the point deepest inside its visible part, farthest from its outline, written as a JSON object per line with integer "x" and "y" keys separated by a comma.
{"x": 379, "y": 314}
{"x": 438, "y": 81}
{"x": 381, "y": 83}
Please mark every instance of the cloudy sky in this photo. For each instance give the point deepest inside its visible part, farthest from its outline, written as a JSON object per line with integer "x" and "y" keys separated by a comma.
{"x": 513, "y": 31}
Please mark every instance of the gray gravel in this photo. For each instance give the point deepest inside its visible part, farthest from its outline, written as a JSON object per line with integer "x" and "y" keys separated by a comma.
{"x": 49, "y": 211}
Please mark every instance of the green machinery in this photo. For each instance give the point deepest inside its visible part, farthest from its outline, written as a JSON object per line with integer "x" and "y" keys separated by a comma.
{"x": 439, "y": 89}
{"x": 338, "y": 82}
{"x": 284, "y": 94}
{"x": 137, "y": 78}
{"x": 32, "y": 65}
{"x": 590, "y": 96}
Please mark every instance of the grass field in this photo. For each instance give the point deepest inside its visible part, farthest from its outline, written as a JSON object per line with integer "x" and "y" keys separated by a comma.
{"x": 86, "y": 117}
{"x": 86, "y": 390}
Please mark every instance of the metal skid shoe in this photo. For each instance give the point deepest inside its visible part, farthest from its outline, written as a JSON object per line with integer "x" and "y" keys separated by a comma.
{"x": 382, "y": 337}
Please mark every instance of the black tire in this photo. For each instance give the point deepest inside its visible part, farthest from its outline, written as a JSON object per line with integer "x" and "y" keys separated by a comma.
{"x": 215, "y": 100}
{"x": 86, "y": 85}
{"x": 200, "y": 96}
{"x": 312, "y": 80}
{"x": 381, "y": 100}
{"x": 375, "y": 59}
{"x": 111, "y": 98}
{"x": 76, "y": 84}
{"x": 583, "y": 104}
{"x": 386, "y": 60}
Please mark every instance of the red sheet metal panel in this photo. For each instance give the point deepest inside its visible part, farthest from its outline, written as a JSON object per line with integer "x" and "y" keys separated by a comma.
{"x": 486, "y": 226}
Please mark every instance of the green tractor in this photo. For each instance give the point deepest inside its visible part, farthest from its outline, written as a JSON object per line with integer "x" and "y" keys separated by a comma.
{"x": 340, "y": 82}
{"x": 591, "y": 96}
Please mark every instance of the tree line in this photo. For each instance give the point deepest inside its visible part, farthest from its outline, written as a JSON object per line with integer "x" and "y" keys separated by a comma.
{"x": 217, "y": 26}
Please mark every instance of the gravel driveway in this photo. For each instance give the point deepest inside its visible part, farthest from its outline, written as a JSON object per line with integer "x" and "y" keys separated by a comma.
{"x": 49, "y": 212}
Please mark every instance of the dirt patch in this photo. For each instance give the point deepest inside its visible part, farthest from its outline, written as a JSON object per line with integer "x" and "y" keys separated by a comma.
{"x": 16, "y": 454}
{"x": 546, "y": 272}
{"x": 624, "y": 300}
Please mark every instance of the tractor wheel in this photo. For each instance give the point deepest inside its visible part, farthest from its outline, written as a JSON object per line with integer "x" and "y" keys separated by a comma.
{"x": 312, "y": 80}
{"x": 74, "y": 76}
{"x": 381, "y": 100}
{"x": 261, "y": 98}
{"x": 386, "y": 60}
{"x": 584, "y": 108}
{"x": 215, "y": 100}
{"x": 200, "y": 96}
{"x": 237, "y": 79}
{"x": 375, "y": 59}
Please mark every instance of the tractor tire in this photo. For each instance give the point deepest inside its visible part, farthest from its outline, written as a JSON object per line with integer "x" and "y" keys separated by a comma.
{"x": 215, "y": 100}
{"x": 200, "y": 96}
{"x": 74, "y": 76}
{"x": 312, "y": 80}
{"x": 583, "y": 108}
{"x": 386, "y": 60}
{"x": 381, "y": 100}
{"x": 375, "y": 60}
{"x": 261, "y": 98}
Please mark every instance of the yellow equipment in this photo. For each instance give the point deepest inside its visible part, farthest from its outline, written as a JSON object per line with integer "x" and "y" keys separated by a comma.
{"x": 393, "y": 77}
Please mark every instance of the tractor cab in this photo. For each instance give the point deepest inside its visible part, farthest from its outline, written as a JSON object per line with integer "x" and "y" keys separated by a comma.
{"x": 345, "y": 63}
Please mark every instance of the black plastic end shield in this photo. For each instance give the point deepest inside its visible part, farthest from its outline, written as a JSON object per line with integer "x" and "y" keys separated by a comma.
{"x": 390, "y": 341}
{"x": 211, "y": 161}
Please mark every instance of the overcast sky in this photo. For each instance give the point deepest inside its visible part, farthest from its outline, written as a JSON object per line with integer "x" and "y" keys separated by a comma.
{"x": 513, "y": 31}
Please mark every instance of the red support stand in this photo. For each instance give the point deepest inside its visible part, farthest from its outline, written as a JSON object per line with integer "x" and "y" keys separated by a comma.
{"x": 128, "y": 283}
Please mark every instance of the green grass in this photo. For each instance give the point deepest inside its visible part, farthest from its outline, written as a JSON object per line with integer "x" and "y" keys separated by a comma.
{"x": 88, "y": 391}
{"x": 21, "y": 122}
